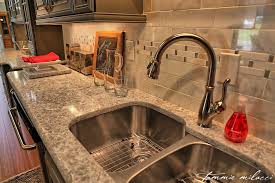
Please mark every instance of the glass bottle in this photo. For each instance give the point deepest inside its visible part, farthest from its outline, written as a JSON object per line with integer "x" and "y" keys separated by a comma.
{"x": 236, "y": 128}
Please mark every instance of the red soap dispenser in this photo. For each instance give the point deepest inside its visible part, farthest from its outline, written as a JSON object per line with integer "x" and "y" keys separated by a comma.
{"x": 236, "y": 128}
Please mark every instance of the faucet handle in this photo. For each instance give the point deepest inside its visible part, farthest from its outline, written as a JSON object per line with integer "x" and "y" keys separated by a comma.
{"x": 153, "y": 69}
{"x": 224, "y": 89}
{"x": 220, "y": 105}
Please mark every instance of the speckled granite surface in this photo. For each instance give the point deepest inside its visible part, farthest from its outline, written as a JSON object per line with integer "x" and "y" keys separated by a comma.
{"x": 10, "y": 57}
{"x": 54, "y": 103}
{"x": 51, "y": 70}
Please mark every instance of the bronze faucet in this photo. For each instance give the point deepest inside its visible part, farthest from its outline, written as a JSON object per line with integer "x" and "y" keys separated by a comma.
{"x": 208, "y": 109}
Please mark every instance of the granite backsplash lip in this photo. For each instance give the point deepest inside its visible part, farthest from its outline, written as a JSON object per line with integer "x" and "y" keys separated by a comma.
{"x": 54, "y": 103}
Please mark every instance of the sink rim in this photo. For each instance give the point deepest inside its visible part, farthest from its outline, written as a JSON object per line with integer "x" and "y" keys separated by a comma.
{"x": 198, "y": 142}
{"x": 96, "y": 113}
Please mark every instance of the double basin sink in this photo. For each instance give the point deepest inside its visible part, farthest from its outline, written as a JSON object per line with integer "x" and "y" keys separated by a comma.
{"x": 141, "y": 144}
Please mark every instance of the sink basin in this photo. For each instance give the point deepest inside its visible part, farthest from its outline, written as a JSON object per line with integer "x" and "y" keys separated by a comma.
{"x": 192, "y": 163}
{"x": 122, "y": 138}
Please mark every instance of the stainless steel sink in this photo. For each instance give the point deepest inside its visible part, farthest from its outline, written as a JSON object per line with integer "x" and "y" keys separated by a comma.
{"x": 123, "y": 138}
{"x": 193, "y": 163}
{"x": 139, "y": 144}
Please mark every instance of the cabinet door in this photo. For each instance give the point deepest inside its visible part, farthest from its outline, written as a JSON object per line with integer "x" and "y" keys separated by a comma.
{"x": 83, "y": 6}
{"x": 61, "y": 7}
{"x": 42, "y": 8}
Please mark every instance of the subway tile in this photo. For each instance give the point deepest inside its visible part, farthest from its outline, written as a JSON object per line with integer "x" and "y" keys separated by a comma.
{"x": 256, "y": 127}
{"x": 161, "y": 33}
{"x": 146, "y": 34}
{"x": 185, "y": 101}
{"x": 250, "y": 85}
{"x": 191, "y": 88}
{"x": 130, "y": 50}
{"x": 254, "y": 40}
{"x": 161, "y": 6}
{"x": 159, "y": 19}
{"x": 186, "y": 4}
{"x": 256, "y": 107}
{"x": 272, "y": 75}
{"x": 269, "y": 92}
{"x": 220, "y": 38}
{"x": 264, "y": 65}
{"x": 266, "y": 17}
{"x": 234, "y": 18}
{"x": 147, "y": 5}
{"x": 168, "y": 80}
{"x": 175, "y": 5}
{"x": 254, "y": 56}
{"x": 218, "y": 3}
{"x": 254, "y": 2}
{"x": 252, "y": 71}
{"x": 194, "y": 61}
{"x": 183, "y": 69}
{"x": 201, "y": 18}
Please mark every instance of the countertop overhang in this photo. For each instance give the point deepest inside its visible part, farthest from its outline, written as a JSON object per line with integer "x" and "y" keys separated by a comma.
{"x": 55, "y": 103}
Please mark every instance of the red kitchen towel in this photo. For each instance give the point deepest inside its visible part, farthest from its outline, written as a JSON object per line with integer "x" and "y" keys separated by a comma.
{"x": 42, "y": 58}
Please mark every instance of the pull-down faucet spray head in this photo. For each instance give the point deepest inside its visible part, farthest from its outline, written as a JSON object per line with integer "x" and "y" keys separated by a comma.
{"x": 208, "y": 109}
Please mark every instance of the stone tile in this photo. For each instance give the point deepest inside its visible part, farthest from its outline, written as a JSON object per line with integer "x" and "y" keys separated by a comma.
{"x": 252, "y": 71}
{"x": 155, "y": 33}
{"x": 250, "y": 85}
{"x": 191, "y": 88}
{"x": 159, "y": 19}
{"x": 163, "y": 6}
{"x": 194, "y": 61}
{"x": 254, "y": 56}
{"x": 147, "y": 5}
{"x": 256, "y": 127}
{"x": 201, "y": 18}
{"x": 161, "y": 33}
{"x": 146, "y": 34}
{"x": 254, "y": 40}
{"x": 220, "y": 38}
{"x": 234, "y": 18}
{"x": 272, "y": 75}
{"x": 269, "y": 92}
{"x": 264, "y": 65}
{"x": 186, "y": 4}
{"x": 168, "y": 80}
{"x": 266, "y": 17}
{"x": 130, "y": 50}
{"x": 255, "y": 107}
{"x": 254, "y": 2}
{"x": 218, "y": 3}
{"x": 185, "y": 101}
{"x": 185, "y": 70}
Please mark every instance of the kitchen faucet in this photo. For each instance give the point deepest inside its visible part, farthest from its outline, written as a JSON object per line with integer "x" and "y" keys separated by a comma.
{"x": 208, "y": 109}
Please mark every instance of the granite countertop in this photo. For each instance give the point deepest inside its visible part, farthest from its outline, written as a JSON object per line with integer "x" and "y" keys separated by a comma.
{"x": 10, "y": 57}
{"x": 54, "y": 103}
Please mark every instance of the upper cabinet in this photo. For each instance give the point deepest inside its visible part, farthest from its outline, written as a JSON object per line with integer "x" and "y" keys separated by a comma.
{"x": 60, "y": 7}
{"x": 64, "y": 11}
{"x": 15, "y": 11}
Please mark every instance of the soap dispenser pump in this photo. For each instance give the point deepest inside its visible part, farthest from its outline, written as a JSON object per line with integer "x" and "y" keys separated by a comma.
{"x": 236, "y": 128}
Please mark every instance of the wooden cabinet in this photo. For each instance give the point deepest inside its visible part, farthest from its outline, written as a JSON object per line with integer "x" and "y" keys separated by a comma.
{"x": 41, "y": 39}
{"x": 83, "y": 6}
{"x": 42, "y": 9}
{"x": 62, "y": 11}
{"x": 15, "y": 11}
{"x": 5, "y": 30}
{"x": 60, "y": 7}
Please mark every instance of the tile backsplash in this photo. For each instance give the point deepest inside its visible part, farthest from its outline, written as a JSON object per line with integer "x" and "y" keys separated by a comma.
{"x": 243, "y": 26}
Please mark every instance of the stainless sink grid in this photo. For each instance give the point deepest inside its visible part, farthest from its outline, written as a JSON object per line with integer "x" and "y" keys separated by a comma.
{"x": 125, "y": 152}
